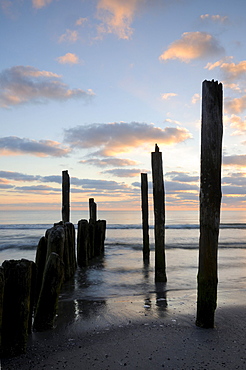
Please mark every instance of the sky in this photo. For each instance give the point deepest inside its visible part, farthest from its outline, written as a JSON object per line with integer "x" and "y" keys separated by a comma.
{"x": 90, "y": 86}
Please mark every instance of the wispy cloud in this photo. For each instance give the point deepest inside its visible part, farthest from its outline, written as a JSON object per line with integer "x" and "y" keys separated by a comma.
{"x": 195, "y": 98}
{"x": 25, "y": 84}
{"x": 238, "y": 124}
{"x": 115, "y": 138}
{"x": 236, "y": 105}
{"x": 69, "y": 36}
{"x": 122, "y": 172}
{"x": 231, "y": 71}
{"x": 12, "y": 145}
{"x": 192, "y": 45}
{"x": 109, "y": 162}
{"x": 235, "y": 160}
{"x": 168, "y": 96}
{"x": 81, "y": 21}
{"x": 38, "y": 4}
{"x": 116, "y": 16}
{"x": 68, "y": 58}
{"x": 215, "y": 18}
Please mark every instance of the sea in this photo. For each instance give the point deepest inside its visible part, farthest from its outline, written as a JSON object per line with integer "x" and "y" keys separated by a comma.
{"x": 119, "y": 283}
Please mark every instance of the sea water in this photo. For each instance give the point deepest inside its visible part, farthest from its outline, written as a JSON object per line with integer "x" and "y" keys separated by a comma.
{"x": 120, "y": 277}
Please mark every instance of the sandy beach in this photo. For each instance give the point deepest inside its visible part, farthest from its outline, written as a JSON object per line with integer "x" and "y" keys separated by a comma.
{"x": 161, "y": 337}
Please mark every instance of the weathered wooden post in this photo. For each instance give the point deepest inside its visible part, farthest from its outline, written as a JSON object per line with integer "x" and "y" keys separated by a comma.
{"x": 17, "y": 306}
{"x": 93, "y": 210}
{"x": 100, "y": 237}
{"x": 159, "y": 213}
{"x": 65, "y": 196}
{"x": 48, "y": 299}
{"x": 1, "y": 304}
{"x": 83, "y": 243}
{"x": 40, "y": 261}
{"x": 210, "y": 200}
{"x": 145, "y": 216}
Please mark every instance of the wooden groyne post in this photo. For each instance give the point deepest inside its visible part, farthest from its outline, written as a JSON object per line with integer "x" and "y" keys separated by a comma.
{"x": 92, "y": 210}
{"x": 65, "y": 196}
{"x": 210, "y": 200}
{"x": 145, "y": 215}
{"x": 159, "y": 213}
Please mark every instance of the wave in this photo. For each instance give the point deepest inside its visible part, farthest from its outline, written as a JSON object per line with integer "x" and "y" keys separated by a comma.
{"x": 120, "y": 226}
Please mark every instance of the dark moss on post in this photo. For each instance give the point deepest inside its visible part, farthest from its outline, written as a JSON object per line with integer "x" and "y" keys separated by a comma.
{"x": 48, "y": 300}
{"x": 210, "y": 200}
{"x": 145, "y": 216}
{"x": 17, "y": 306}
{"x": 159, "y": 213}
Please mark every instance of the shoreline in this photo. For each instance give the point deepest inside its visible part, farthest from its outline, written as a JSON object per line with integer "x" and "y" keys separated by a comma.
{"x": 150, "y": 339}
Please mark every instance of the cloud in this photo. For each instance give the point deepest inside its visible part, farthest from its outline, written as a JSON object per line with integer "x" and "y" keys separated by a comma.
{"x": 120, "y": 172}
{"x": 36, "y": 189}
{"x": 215, "y": 18}
{"x": 235, "y": 160}
{"x": 13, "y": 145}
{"x": 81, "y": 21}
{"x": 239, "y": 124}
{"x": 236, "y": 105}
{"x": 115, "y": 138}
{"x": 25, "y": 84}
{"x": 181, "y": 176}
{"x": 231, "y": 71}
{"x": 116, "y": 17}
{"x": 68, "y": 58}
{"x": 109, "y": 162}
{"x": 17, "y": 176}
{"x": 192, "y": 45}
{"x": 167, "y": 96}
{"x": 38, "y": 4}
{"x": 195, "y": 98}
{"x": 70, "y": 36}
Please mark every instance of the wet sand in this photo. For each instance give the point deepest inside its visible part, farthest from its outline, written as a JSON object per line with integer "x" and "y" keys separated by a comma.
{"x": 146, "y": 333}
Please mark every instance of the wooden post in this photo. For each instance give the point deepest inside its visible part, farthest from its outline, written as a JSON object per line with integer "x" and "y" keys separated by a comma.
{"x": 1, "y": 304}
{"x": 56, "y": 241}
{"x": 17, "y": 306}
{"x": 40, "y": 261}
{"x": 65, "y": 196}
{"x": 210, "y": 200}
{"x": 48, "y": 299}
{"x": 100, "y": 237}
{"x": 145, "y": 215}
{"x": 159, "y": 212}
{"x": 92, "y": 209}
{"x": 83, "y": 243}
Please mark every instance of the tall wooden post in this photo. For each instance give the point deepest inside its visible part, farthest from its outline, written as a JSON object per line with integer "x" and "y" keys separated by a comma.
{"x": 93, "y": 210}
{"x": 145, "y": 215}
{"x": 159, "y": 212}
{"x": 65, "y": 196}
{"x": 210, "y": 200}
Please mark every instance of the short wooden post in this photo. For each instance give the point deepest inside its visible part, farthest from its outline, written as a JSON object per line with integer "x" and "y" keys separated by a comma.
{"x": 145, "y": 215}
{"x": 83, "y": 243}
{"x": 100, "y": 237}
{"x": 69, "y": 257}
{"x": 56, "y": 241}
{"x": 17, "y": 306}
{"x": 48, "y": 299}
{"x": 210, "y": 200}
{"x": 159, "y": 213}
{"x": 92, "y": 209}
{"x": 65, "y": 196}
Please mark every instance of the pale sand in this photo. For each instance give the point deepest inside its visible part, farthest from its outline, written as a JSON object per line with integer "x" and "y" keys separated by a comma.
{"x": 168, "y": 339}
